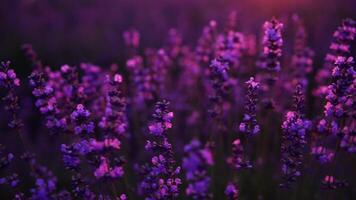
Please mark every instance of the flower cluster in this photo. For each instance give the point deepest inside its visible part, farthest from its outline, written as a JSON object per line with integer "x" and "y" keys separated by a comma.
{"x": 114, "y": 120}
{"x": 249, "y": 123}
{"x": 141, "y": 80}
{"x": 196, "y": 163}
{"x": 340, "y": 95}
{"x": 295, "y": 128}
{"x": 220, "y": 82}
{"x": 272, "y": 45}
{"x": 9, "y": 81}
{"x": 46, "y": 100}
{"x": 81, "y": 120}
{"x": 340, "y": 47}
{"x": 294, "y": 132}
{"x": 322, "y": 154}
{"x": 161, "y": 179}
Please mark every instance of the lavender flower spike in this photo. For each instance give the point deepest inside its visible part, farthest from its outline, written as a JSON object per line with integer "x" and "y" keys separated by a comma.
{"x": 196, "y": 164}
{"x": 10, "y": 82}
{"x": 294, "y": 127}
{"x": 219, "y": 78}
{"x": 249, "y": 123}
{"x": 340, "y": 95}
{"x": 272, "y": 42}
{"x": 161, "y": 176}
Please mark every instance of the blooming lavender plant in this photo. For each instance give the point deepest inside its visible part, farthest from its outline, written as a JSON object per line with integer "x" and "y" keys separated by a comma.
{"x": 219, "y": 78}
{"x": 10, "y": 82}
{"x": 249, "y": 123}
{"x": 161, "y": 179}
{"x": 339, "y": 98}
{"x": 340, "y": 47}
{"x": 295, "y": 128}
{"x": 272, "y": 45}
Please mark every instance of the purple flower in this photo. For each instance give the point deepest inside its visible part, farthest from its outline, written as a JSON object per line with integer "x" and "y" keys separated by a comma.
{"x": 196, "y": 163}
{"x": 249, "y": 123}
{"x": 340, "y": 47}
{"x": 114, "y": 121}
{"x": 9, "y": 82}
{"x": 339, "y": 105}
{"x": 106, "y": 170}
{"x": 331, "y": 183}
{"x": 229, "y": 48}
{"x": 161, "y": 179}
{"x": 294, "y": 130}
{"x": 204, "y": 48}
{"x": 322, "y": 154}
{"x": 221, "y": 84}
{"x": 238, "y": 160}
{"x": 231, "y": 192}
{"x": 80, "y": 118}
{"x": 141, "y": 80}
{"x": 272, "y": 45}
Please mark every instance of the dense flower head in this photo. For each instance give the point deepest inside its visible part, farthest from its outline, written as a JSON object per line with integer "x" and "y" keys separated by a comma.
{"x": 221, "y": 85}
{"x": 272, "y": 45}
{"x": 343, "y": 37}
{"x": 340, "y": 97}
{"x": 249, "y": 123}
{"x": 161, "y": 179}
{"x": 340, "y": 47}
{"x": 293, "y": 146}
{"x": 196, "y": 163}
{"x": 9, "y": 82}
{"x": 294, "y": 139}
{"x": 81, "y": 119}
{"x": 105, "y": 170}
{"x": 162, "y": 119}
{"x": 114, "y": 121}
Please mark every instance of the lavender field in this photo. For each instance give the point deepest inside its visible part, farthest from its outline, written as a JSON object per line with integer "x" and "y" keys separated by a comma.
{"x": 163, "y": 100}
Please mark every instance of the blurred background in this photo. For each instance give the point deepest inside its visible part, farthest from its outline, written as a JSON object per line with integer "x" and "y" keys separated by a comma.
{"x": 66, "y": 31}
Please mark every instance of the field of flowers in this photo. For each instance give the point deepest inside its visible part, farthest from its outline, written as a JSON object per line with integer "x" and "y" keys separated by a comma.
{"x": 242, "y": 107}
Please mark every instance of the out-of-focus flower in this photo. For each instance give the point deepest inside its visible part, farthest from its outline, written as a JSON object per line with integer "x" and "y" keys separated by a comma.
{"x": 196, "y": 163}
{"x": 231, "y": 192}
